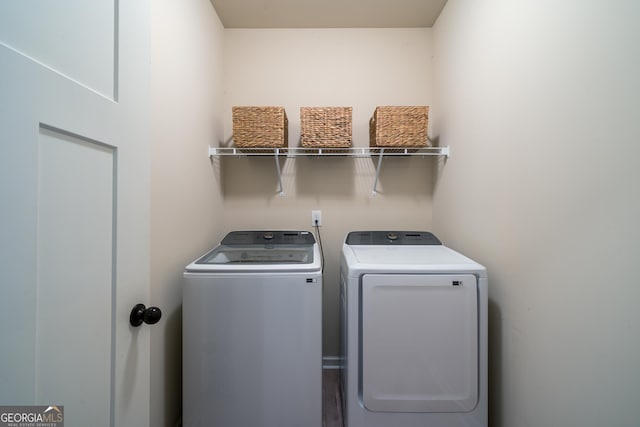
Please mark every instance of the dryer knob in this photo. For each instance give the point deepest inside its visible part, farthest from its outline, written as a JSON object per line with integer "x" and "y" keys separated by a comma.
{"x": 268, "y": 236}
{"x": 392, "y": 236}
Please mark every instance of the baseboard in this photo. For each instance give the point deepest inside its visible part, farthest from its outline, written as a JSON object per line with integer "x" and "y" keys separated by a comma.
{"x": 331, "y": 362}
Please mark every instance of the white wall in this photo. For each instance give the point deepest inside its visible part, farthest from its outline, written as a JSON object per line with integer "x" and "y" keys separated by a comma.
{"x": 540, "y": 101}
{"x": 186, "y": 86}
{"x": 361, "y": 68}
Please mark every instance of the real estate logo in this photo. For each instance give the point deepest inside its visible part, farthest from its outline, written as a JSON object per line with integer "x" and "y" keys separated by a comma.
{"x": 32, "y": 416}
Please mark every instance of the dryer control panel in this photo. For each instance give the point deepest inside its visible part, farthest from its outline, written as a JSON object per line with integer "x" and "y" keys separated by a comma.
{"x": 395, "y": 238}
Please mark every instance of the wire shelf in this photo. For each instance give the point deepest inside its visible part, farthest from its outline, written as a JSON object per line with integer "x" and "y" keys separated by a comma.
{"x": 354, "y": 152}
{"x": 328, "y": 152}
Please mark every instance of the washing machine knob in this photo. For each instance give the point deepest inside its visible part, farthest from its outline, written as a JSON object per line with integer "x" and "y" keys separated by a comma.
{"x": 140, "y": 314}
{"x": 392, "y": 236}
{"x": 267, "y": 236}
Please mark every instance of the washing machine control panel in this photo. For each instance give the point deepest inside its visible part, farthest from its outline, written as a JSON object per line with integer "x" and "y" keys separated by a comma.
{"x": 394, "y": 238}
{"x": 244, "y": 238}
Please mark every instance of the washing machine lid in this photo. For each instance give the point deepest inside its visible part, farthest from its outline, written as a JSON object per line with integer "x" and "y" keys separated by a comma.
{"x": 261, "y": 251}
{"x": 258, "y": 255}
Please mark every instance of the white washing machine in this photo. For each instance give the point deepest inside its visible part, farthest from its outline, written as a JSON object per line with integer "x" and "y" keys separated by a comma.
{"x": 414, "y": 332}
{"x": 252, "y": 332}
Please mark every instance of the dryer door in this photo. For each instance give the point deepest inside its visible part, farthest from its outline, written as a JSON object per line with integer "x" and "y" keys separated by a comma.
{"x": 419, "y": 349}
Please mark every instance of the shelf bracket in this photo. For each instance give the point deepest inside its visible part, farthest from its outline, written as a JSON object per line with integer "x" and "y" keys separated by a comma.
{"x": 277, "y": 158}
{"x": 375, "y": 183}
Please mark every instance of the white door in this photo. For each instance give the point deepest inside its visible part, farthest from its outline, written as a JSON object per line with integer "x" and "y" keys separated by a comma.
{"x": 74, "y": 201}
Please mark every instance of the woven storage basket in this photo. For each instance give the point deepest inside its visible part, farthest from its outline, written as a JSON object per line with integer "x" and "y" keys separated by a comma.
{"x": 399, "y": 127}
{"x": 325, "y": 127}
{"x": 260, "y": 127}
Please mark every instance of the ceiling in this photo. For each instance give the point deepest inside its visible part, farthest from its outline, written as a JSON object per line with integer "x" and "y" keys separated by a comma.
{"x": 328, "y": 13}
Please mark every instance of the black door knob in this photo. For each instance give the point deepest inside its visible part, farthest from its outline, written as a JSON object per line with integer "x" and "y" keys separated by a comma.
{"x": 140, "y": 314}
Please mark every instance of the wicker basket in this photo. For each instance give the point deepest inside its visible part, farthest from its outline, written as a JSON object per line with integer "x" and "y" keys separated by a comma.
{"x": 325, "y": 127}
{"x": 399, "y": 127}
{"x": 260, "y": 127}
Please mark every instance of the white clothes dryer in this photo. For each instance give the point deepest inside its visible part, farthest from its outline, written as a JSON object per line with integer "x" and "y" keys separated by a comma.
{"x": 252, "y": 332}
{"x": 414, "y": 332}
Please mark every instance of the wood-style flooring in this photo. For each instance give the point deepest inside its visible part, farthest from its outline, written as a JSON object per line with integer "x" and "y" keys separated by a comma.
{"x": 331, "y": 399}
